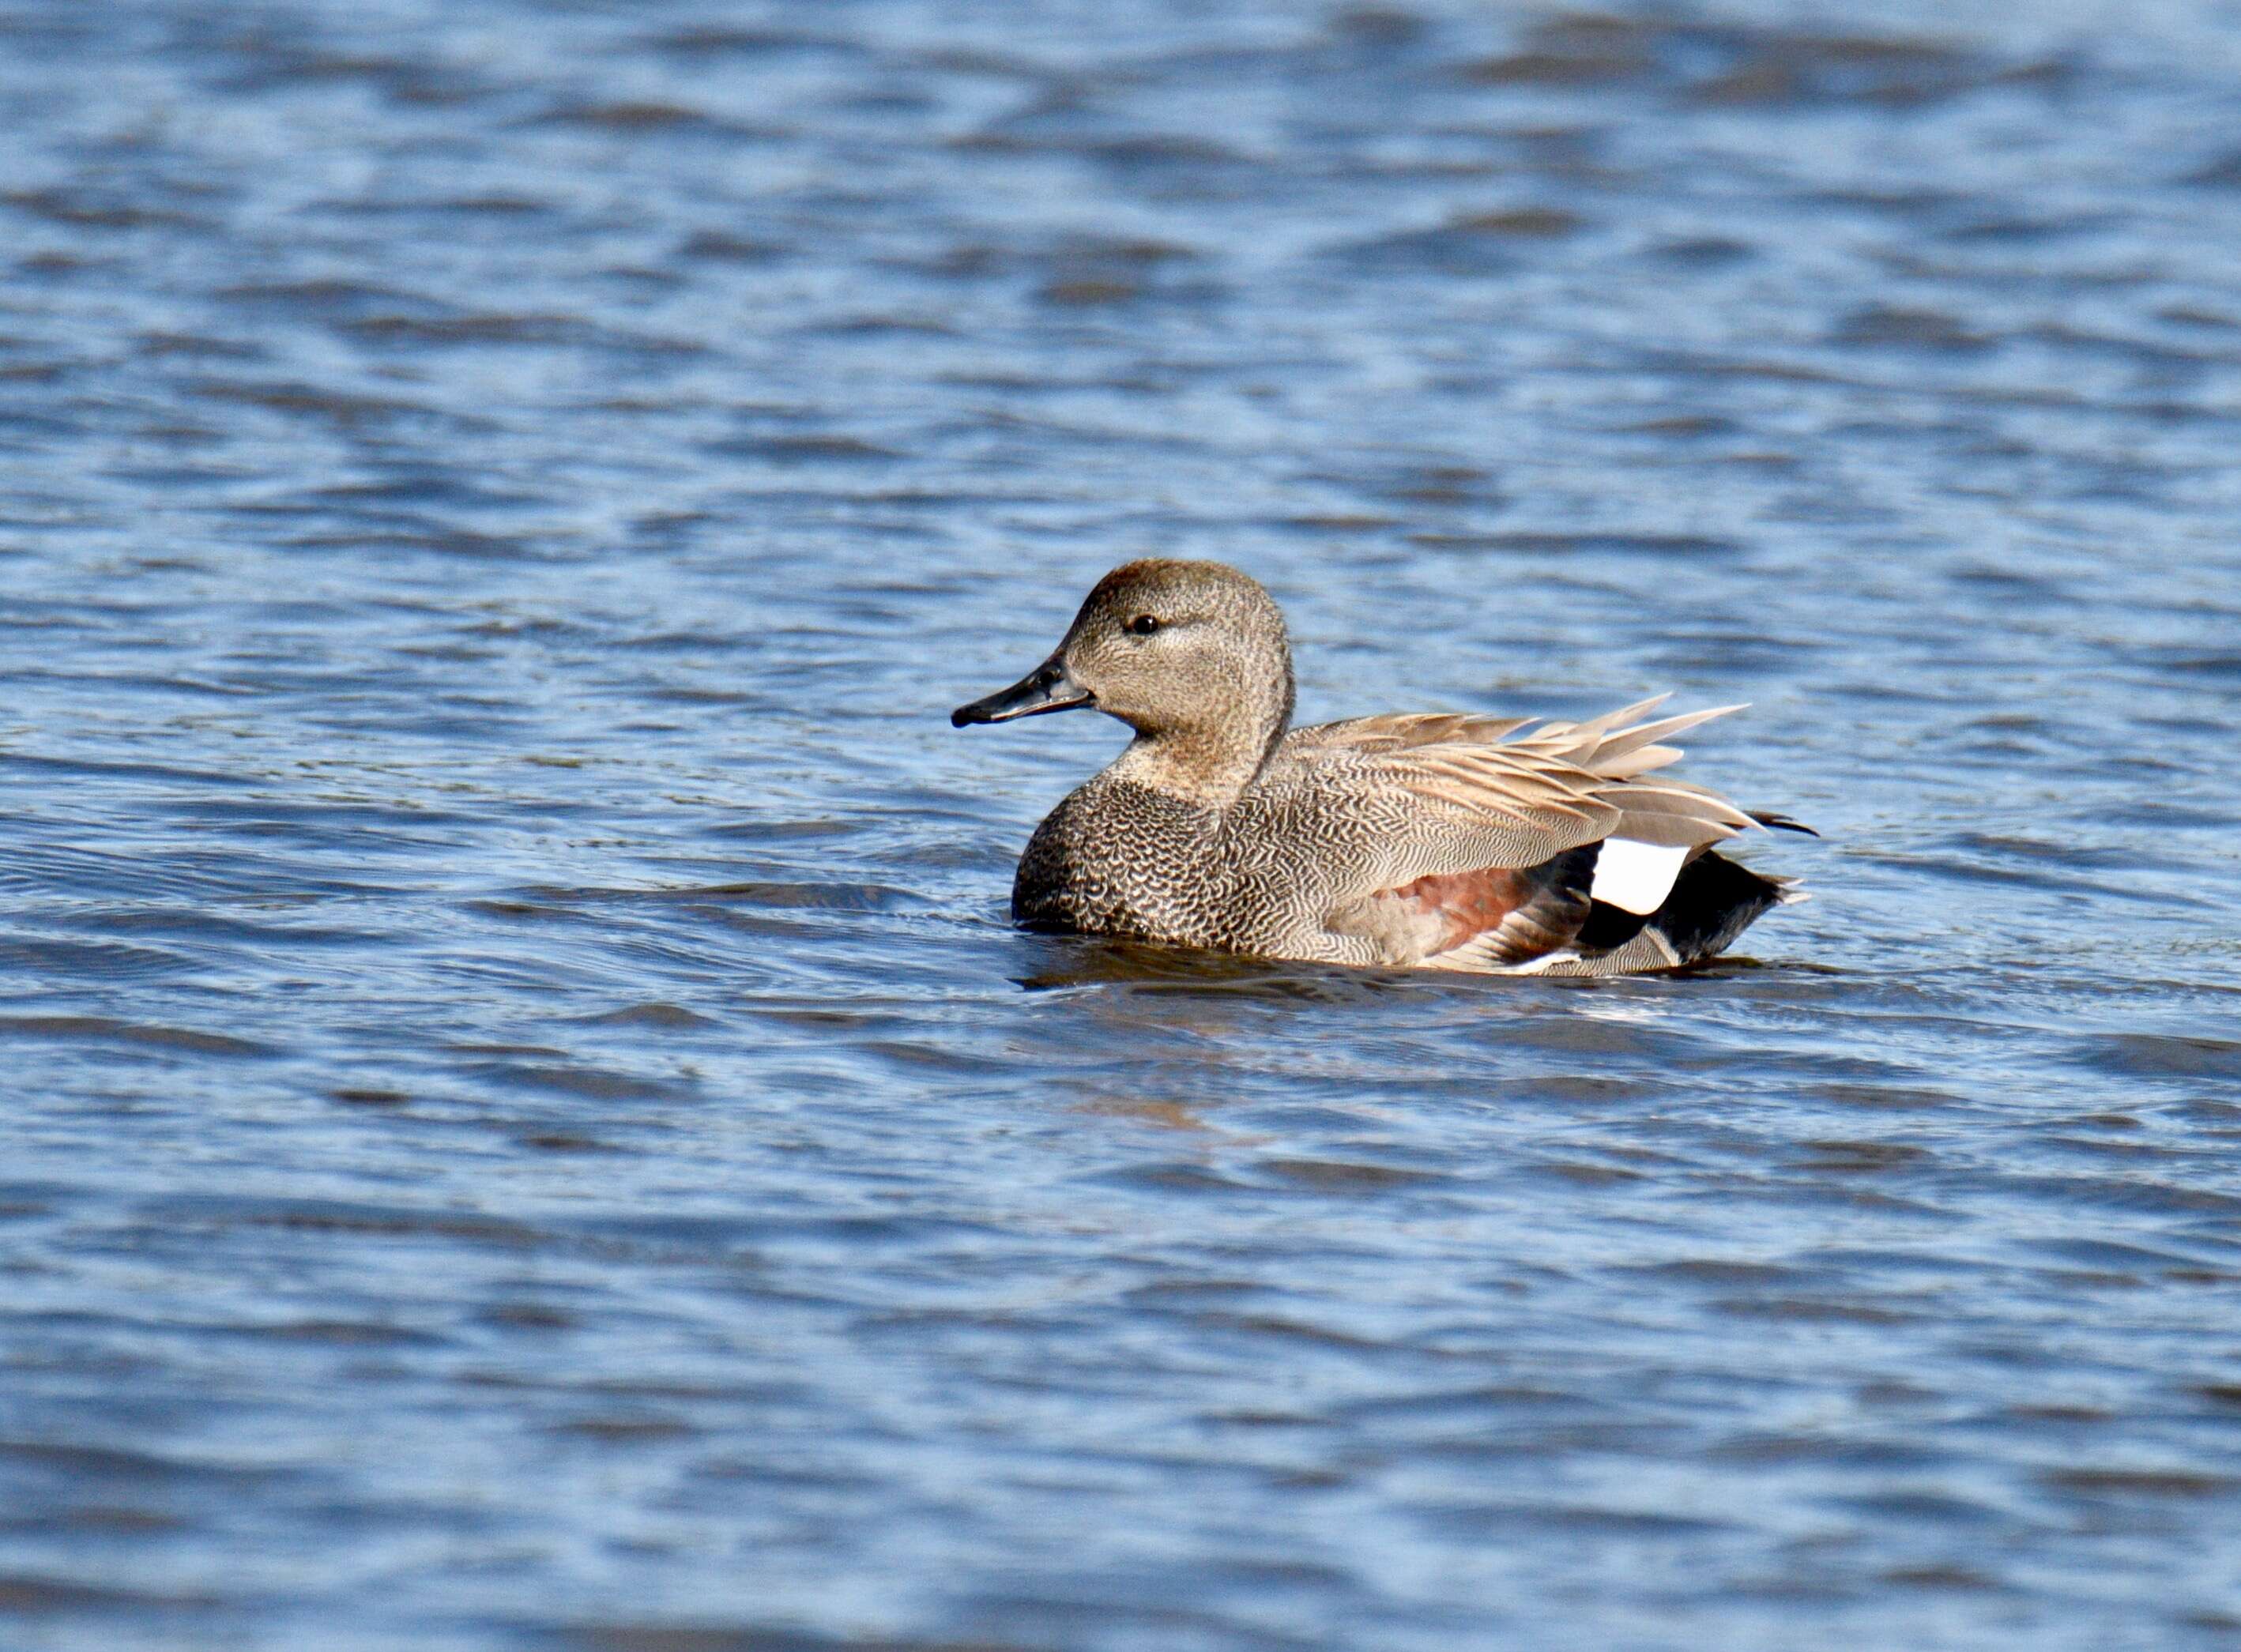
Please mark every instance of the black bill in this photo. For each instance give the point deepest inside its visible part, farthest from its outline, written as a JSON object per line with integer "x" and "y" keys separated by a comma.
{"x": 1046, "y": 688}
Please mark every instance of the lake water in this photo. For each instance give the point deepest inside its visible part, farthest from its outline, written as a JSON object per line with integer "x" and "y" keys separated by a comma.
{"x": 526, "y": 1125}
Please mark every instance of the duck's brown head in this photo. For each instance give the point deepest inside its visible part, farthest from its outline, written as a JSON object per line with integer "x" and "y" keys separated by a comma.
{"x": 1192, "y": 655}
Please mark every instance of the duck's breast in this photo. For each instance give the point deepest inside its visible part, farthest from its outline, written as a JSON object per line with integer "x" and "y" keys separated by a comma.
{"x": 1116, "y": 858}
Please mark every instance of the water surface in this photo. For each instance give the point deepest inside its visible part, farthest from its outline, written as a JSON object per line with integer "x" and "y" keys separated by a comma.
{"x": 527, "y": 1127}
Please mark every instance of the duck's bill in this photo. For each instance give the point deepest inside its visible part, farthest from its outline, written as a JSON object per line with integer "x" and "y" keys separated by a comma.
{"x": 1046, "y": 688}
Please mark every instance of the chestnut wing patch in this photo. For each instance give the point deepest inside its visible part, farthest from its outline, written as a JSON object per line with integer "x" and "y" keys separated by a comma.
{"x": 1496, "y": 916}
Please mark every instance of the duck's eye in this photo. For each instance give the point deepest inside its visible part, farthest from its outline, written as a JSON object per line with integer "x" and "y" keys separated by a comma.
{"x": 1143, "y": 626}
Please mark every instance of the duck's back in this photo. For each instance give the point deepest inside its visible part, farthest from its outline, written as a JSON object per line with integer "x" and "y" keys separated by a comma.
{"x": 1439, "y": 842}
{"x": 1413, "y": 840}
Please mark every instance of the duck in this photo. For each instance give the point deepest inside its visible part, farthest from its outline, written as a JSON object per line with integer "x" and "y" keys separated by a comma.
{"x": 1437, "y": 839}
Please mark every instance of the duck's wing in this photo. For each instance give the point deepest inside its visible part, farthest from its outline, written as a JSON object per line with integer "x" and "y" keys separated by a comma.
{"x": 1466, "y": 789}
{"x": 1487, "y": 850}
{"x": 1402, "y": 730}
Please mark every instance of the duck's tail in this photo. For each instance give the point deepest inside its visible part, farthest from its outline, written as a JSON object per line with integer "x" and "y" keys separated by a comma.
{"x": 1713, "y": 900}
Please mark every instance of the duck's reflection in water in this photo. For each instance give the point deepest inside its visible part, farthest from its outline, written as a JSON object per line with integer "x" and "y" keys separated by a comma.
{"x": 1069, "y": 962}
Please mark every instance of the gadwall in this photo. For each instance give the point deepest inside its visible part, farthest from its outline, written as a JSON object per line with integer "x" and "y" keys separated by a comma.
{"x": 1428, "y": 838}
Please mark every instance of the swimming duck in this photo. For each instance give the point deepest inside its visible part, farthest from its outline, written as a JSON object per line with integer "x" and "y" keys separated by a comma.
{"x": 1445, "y": 840}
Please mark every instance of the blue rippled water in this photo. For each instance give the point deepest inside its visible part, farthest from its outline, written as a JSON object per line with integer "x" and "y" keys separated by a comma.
{"x": 526, "y": 1125}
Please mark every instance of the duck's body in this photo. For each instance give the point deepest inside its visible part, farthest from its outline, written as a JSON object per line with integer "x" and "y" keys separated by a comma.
{"x": 1437, "y": 840}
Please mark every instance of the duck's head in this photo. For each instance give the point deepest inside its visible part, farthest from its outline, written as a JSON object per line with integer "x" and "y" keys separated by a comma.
{"x": 1192, "y": 655}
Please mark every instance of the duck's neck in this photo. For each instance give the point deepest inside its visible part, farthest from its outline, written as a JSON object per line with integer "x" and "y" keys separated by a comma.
{"x": 1211, "y": 763}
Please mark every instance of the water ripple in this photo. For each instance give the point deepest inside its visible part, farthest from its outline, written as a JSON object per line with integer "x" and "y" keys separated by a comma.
{"x": 530, "y": 1127}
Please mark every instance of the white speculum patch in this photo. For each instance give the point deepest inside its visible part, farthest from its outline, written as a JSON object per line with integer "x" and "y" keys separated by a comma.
{"x": 1636, "y": 877}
